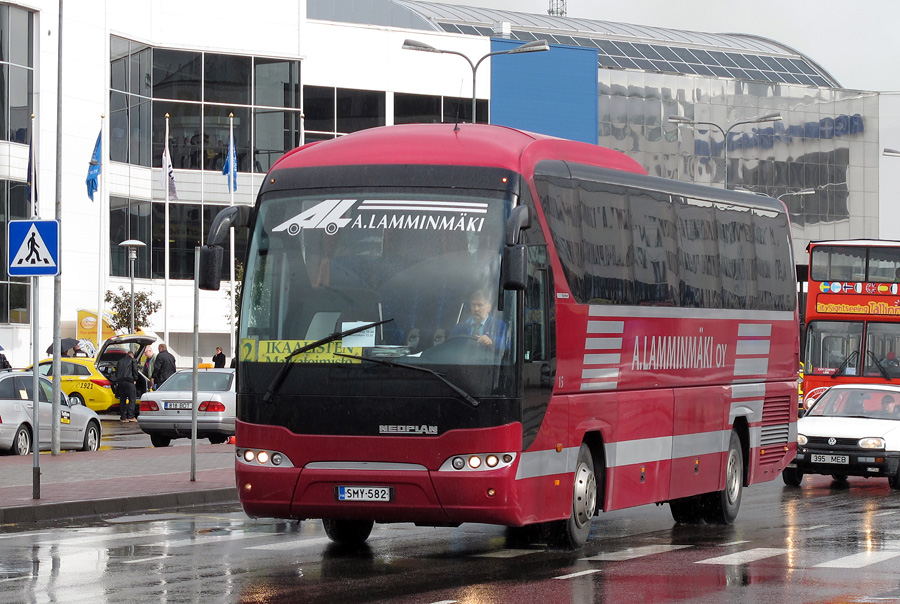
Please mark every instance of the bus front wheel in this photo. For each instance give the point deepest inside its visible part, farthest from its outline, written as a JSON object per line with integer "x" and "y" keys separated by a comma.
{"x": 573, "y": 532}
{"x": 722, "y": 506}
{"x": 348, "y": 532}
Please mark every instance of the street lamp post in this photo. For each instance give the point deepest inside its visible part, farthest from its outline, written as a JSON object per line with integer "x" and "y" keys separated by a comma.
{"x": 770, "y": 117}
{"x": 132, "y": 245}
{"x": 535, "y": 46}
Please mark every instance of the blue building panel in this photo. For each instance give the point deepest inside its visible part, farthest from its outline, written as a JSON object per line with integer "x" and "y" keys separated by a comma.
{"x": 551, "y": 92}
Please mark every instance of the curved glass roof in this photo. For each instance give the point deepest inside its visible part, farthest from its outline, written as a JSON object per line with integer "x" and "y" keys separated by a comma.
{"x": 619, "y": 45}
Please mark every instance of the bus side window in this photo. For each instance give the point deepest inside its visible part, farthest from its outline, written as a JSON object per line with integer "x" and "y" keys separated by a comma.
{"x": 535, "y": 334}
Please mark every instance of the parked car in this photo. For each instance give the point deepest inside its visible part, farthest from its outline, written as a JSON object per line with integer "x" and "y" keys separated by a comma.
{"x": 87, "y": 381}
{"x": 166, "y": 413}
{"x": 851, "y": 430}
{"x": 79, "y": 426}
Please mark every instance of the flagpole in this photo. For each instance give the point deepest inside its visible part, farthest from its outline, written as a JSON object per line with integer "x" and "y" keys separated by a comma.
{"x": 166, "y": 247}
{"x": 101, "y": 240}
{"x": 232, "y": 185}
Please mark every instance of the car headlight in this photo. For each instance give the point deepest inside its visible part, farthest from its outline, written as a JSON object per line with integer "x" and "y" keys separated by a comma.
{"x": 872, "y": 442}
{"x": 801, "y": 440}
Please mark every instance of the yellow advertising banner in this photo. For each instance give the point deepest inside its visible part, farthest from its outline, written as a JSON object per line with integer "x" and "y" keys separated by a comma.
{"x": 86, "y": 328}
{"x": 276, "y": 351}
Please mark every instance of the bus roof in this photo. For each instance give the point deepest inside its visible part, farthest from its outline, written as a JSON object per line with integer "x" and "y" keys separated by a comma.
{"x": 450, "y": 144}
{"x": 856, "y": 243}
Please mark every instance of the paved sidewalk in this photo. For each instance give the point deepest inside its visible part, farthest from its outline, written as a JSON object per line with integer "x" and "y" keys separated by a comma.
{"x": 82, "y": 484}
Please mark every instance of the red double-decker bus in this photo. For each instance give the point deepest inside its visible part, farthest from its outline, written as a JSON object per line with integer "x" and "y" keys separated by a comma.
{"x": 640, "y": 336}
{"x": 852, "y": 314}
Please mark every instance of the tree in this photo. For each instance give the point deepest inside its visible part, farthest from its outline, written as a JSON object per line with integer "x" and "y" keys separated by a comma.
{"x": 144, "y": 306}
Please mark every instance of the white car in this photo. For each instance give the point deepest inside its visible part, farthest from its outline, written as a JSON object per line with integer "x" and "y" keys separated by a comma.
{"x": 166, "y": 413}
{"x": 851, "y": 430}
{"x": 79, "y": 426}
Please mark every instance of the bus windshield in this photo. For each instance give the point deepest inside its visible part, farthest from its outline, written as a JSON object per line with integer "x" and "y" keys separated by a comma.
{"x": 425, "y": 261}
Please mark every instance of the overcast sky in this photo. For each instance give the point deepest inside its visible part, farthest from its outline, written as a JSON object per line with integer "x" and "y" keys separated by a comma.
{"x": 851, "y": 40}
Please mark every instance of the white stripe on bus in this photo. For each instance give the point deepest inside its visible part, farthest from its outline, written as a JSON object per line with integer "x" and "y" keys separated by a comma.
{"x": 607, "y": 374}
{"x": 752, "y": 347}
{"x": 751, "y": 366}
{"x": 672, "y": 312}
{"x": 599, "y": 385}
{"x": 756, "y": 329}
{"x": 755, "y": 390}
{"x": 606, "y": 326}
{"x": 603, "y": 343}
{"x": 602, "y": 359}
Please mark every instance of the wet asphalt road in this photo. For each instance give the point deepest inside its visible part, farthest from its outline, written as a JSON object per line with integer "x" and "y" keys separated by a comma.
{"x": 824, "y": 542}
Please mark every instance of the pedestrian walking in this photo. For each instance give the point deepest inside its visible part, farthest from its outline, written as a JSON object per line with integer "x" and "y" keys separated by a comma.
{"x": 163, "y": 367}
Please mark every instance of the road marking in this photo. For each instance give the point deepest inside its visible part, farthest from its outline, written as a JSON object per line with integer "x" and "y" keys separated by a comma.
{"x": 289, "y": 545}
{"x": 886, "y": 513}
{"x": 99, "y": 539}
{"x": 634, "y": 552}
{"x": 815, "y": 527}
{"x": 445, "y": 602}
{"x": 507, "y": 553}
{"x": 204, "y": 539}
{"x": 750, "y": 555}
{"x": 17, "y": 578}
{"x": 743, "y": 541}
{"x": 14, "y": 535}
{"x": 579, "y": 574}
{"x": 859, "y": 560}
{"x": 139, "y": 560}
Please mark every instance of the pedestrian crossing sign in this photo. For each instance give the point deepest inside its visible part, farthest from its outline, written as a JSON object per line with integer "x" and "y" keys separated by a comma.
{"x": 33, "y": 248}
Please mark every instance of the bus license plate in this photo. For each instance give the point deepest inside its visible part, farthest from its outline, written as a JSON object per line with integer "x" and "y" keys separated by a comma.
{"x": 179, "y": 405}
{"x": 355, "y": 493}
{"x": 838, "y": 459}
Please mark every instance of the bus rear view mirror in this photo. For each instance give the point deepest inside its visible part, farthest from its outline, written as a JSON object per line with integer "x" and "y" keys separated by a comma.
{"x": 519, "y": 220}
{"x": 514, "y": 268}
{"x": 210, "y": 267}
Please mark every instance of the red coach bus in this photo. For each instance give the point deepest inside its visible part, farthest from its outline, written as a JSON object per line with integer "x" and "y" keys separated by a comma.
{"x": 640, "y": 336}
{"x": 852, "y": 314}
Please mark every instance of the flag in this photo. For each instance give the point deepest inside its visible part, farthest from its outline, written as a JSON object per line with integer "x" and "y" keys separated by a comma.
{"x": 167, "y": 176}
{"x": 230, "y": 167}
{"x": 95, "y": 166}
{"x": 30, "y": 179}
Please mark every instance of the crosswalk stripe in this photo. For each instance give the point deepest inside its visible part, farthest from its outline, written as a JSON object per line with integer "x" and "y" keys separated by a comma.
{"x": 507, "y": 553}
{"x": 579, "y": 574}
{"x": 204, "y": 539}
{"x": 859, "y": 560}
{"x": 750, "y": 555}
{"x": 292, "y": 544}
{"x": 634, "y": 552}
{"x": 139, "y": 560}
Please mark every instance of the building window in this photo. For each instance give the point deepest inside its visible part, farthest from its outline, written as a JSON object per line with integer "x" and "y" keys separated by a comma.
{"x": 16, "y": 73}
{"x": 333, "y": 111}
{"x": 199, "y": 90}
{"x": 15, "y": 292}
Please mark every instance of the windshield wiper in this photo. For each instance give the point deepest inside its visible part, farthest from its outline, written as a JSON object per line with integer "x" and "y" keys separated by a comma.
{"x": 881, "y": 368}
{"x": 844, "y": 364}
{"x": 462, "y": 393}
{"x": 282, "y": 373}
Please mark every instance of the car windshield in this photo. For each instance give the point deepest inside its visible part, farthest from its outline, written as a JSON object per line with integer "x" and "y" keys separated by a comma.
{"x": 858, "y": 402}
{"x": 207, "y": 381}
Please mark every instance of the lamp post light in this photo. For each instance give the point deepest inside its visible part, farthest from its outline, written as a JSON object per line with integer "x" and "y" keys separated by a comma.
{"x": 685, "y": 121}
{"x": 132, "y": 245}
{"x": 535, "y": 46}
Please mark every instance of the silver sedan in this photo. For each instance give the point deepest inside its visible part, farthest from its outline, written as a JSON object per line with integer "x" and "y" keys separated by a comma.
{"x": 79, "y": 426}
{"x": 166, "y": 413}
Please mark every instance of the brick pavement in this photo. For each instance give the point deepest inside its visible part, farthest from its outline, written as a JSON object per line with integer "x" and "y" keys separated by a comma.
{"x": 81, "y": 484}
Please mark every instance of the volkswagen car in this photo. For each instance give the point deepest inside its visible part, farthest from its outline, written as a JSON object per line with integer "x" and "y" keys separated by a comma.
{"x": 79, "y": 426}
{"x": 166, "y": 413}
{"x": 851, "y": 430}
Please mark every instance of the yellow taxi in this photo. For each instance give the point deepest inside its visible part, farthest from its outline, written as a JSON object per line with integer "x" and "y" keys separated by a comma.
{"x": 86, "y": 380}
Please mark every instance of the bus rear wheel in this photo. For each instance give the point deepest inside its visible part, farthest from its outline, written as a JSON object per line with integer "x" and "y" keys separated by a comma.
{"x": 573, "y": 532}
{"x": 722, "y": 506}
{"x": 348, "y": 532}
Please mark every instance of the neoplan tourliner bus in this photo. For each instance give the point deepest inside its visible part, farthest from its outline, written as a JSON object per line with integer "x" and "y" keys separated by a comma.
{"x": 641, "y": 347}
